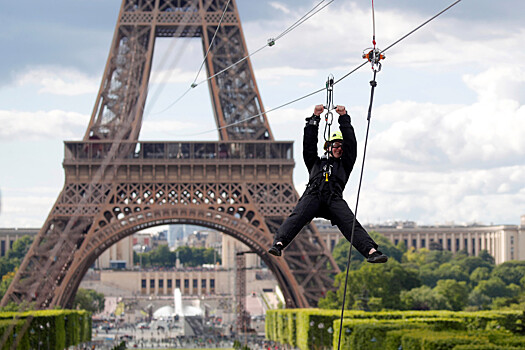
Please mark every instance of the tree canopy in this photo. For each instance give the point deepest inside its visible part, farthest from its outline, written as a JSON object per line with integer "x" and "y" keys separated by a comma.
{"x": 426, "y": 279}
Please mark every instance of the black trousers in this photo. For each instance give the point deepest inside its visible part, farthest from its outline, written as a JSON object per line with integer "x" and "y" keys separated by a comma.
{"x": 332, "y": 208}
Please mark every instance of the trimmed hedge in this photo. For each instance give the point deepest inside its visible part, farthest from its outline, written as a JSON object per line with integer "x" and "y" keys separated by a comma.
{"x": 49, "y": 329}
{"x": 315, "y": 328}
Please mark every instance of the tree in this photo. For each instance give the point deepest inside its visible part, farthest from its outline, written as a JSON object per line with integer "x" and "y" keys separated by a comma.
{"x": 90, "y": 300}
{"x": 470, "y": 263}
{"x": 479, "y": 274}
{"x": 510, "y": 271}
{"x": 342, "y": 248}
{"x": 455, "y": 293}
{"x": 6, "y": 281}
{"x": 380, "y": 283}
{"x": 485, "y": 256}
{"x": 495, "y": 288}
{"x": 452, "y": 271}
{"x": 15, "y": 255}
{"x": 422, "y": 298}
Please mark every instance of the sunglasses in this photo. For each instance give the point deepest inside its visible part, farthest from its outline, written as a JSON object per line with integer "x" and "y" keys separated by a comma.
{"x": 337, "y": 145}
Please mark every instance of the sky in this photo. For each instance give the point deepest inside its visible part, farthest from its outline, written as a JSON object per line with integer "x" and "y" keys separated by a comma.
{"x": 447, "y": 134}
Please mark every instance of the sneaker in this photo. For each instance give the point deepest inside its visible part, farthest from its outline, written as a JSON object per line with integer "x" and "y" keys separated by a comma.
{"x": 276, "y": 249}
{"x": 377, "y": 258}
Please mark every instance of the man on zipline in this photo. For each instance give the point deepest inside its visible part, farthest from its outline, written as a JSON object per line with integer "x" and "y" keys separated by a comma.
{"x": 323, "y": 196}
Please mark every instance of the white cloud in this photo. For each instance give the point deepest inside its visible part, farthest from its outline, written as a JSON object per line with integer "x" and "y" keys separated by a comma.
{"x": 488, "y": 133}
{"x": 176, "y": 75}
{"x": 55, "y": 124}
{"x": 280, "y": 6}
{"x": 59, "y": 81}
{"x": 27, "y": 207}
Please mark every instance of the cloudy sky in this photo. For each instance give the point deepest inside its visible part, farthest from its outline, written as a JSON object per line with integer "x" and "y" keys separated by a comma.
{"x": 447, "y": 136}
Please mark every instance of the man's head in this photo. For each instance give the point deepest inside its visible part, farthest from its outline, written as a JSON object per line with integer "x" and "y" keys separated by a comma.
{"x": 334, "y": 145}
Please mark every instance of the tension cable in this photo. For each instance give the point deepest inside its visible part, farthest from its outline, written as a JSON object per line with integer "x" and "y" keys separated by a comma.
{"x": 374, "y": 56}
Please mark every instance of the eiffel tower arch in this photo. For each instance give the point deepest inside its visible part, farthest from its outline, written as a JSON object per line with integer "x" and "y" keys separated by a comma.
{"x": 116, "y": 185}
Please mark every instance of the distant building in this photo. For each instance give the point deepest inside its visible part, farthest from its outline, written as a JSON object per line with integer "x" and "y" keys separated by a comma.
{"x": 8, "y": 236}
{"x": 503, "y": 242}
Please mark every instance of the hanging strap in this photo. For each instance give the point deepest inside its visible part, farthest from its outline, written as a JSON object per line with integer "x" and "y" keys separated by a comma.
{"x": 329, "y": 117}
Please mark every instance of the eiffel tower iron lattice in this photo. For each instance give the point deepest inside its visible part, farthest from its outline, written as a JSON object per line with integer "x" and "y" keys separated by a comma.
{"x": 116, "y": 185}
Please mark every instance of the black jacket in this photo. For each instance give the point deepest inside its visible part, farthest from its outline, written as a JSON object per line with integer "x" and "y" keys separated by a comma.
{"x": 339, "y": 169}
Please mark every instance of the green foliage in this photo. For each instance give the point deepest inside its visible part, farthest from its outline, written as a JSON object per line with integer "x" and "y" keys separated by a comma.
{"x": 188, "y": 256}
{"x": 422, "y": 298}
{"x": 6, "y": 281}
{"x": 454, "y": 292}
{"x": 427, "y": 279}
{"x": 46, "y": 329}
{"x": 89, "y": 300}
{"x": 373, "y": 287}
{"x": 341, "y": 249}
{"x": 12, "y": 260}
{"x": 510, "y": 272}
{"x": 390, "y": 330}
{"x": 121, "y": 346}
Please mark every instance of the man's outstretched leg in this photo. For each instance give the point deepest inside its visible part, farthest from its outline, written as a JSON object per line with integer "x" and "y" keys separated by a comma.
{"x": 343, "y": 217}
{"x": 304, "y": 212}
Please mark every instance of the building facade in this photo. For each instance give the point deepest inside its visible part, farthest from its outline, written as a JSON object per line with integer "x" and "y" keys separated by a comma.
{"x": 8, "y": 236}
{"x": 503, "y": 242}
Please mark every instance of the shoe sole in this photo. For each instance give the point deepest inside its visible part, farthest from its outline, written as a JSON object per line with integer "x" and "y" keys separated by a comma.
{"x": 379, "y": 260}
{"x": 274, "y": 251}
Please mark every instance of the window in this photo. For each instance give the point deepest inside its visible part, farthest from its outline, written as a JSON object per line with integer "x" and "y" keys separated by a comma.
{"x": 170, "y": 283}
{"x": 195, "y": 283}
{"x": 2, "y": 249}
{"x": 449, "y": 244}
{"x": 177, "y": 283}
{"x": 186, "y": 283}
{"x": 511, "y": 240}
{"x": 143, "y": 283}
{"x": 414, "y": 243}
{"x": 152, "y": 283}
{"x": 396, "y": 241}
{"x": 423, "y": 243}
{"x": 203, "y": 283}
{"x": 161, "y": 284}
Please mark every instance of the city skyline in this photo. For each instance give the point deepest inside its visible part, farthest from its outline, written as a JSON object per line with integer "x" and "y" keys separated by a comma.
{"x": 446, "y": 142}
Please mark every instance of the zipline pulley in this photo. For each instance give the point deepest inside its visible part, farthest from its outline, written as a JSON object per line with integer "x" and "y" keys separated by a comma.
{"x": 374, "y": 56}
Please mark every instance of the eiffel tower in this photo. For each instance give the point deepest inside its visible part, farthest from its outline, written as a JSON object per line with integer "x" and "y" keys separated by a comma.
{"x": 116, "y": 185}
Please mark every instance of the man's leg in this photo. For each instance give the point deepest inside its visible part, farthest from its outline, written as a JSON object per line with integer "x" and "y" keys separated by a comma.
{"x": 343, "y": 217}
{"x": 304, "y": 212}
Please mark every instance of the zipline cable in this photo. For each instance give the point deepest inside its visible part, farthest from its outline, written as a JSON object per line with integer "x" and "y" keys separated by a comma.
{"x": 374, "y": 57}
{"x": 301, "y": 21}
{"x": 202, "y": 64}
{"x": 335, "y": 82}
{"x": 270, "y": 42}
{"x": 211, "y": 43}
{"x": 376, "y": 66}
{"x": 373, "y": 83}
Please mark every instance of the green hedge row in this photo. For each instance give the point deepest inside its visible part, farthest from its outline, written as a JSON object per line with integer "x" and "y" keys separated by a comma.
{"x": 45, "y": 329}
{"x": 315, "y": 328}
